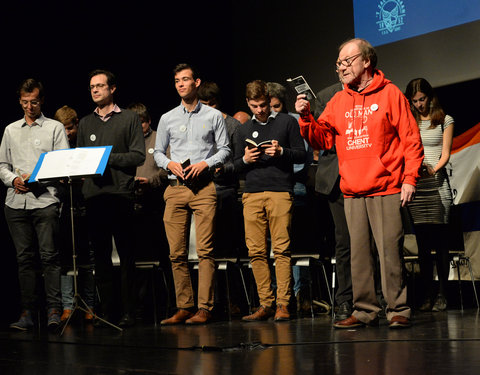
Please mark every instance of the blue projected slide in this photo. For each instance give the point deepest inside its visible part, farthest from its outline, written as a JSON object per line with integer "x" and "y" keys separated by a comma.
{"x": 387, "y": 21}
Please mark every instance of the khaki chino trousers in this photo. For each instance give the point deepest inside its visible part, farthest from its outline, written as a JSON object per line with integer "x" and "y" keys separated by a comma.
{"x": 180, "y": 202}
{"x": 263, "y": 212}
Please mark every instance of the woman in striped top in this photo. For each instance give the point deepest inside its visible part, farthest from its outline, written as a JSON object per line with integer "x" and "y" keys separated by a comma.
{"x": 431, "y": 207}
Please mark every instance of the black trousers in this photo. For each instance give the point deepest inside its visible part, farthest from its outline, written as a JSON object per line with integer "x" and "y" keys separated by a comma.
{"x": 110, "y": 216}
{"x": 342, "y": 249}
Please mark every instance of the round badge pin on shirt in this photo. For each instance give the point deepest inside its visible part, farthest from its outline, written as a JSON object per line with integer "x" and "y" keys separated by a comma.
{"x": 255, "y": 134}
{"x": 93, "y": 137}
{"x": 37, "y": 142}
{"x": 150, "y": 150}
{"x": 374, "y": 107}
{"x": 183, "y": 128}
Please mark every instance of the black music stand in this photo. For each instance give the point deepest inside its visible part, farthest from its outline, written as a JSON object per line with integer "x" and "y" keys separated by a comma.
{"x": 68, "y": 164}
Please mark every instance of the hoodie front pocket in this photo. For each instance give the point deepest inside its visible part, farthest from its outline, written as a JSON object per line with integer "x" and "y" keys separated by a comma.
{"x": 364, "y": 175}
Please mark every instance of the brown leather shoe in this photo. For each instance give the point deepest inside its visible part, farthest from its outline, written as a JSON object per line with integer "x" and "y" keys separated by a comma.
{"x": 263, "y": 313}
{"x": 351, "y": 322}
{"x": 178, "y": 318}
{"x": 66, "y": 313}
{"x": 399, "y": 321}
{"x": 201, "y": 317}
{"x": 89, "y": 317}
{"x": 281, "y": 314}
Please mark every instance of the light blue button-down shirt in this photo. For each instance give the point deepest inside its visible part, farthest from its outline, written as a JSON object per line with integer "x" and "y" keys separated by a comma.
{"x": 197, "y": 135}
{"x": 20, "y": 150}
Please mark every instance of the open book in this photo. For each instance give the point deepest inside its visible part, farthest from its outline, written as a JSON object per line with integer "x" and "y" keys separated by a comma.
{"x": 300, "y": 85}
{"x": 252, "y": 144}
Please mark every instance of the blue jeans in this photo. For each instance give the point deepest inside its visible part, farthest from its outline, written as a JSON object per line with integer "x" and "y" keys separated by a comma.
{"x": 85, "y": 284}
{"x": 27, "y": 227}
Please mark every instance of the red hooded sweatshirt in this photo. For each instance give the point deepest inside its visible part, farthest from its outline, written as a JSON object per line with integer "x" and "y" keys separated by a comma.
{"x": 376, "y": 136}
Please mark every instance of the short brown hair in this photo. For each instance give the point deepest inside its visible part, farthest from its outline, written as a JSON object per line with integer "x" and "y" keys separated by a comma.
{"x": 141, "y": 110}
{"x": 209, "y": 91}
{"x": 66, "y": 115}
{"x": 366, "y": 49}
{"x": 111, "y": 79}
{"x": 257, "y": 90}
{"x": 29, "y": 85}
{"x": 184, "y": 66}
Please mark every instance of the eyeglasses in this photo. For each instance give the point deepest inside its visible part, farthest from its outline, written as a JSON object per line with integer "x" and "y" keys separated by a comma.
{"x": 33, "y": 103}
{"x": 98, "y": 86}
{"x": 346, "y": 62}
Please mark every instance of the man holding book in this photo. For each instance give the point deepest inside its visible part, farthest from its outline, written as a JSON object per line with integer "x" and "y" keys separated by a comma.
{"x": 198, "y": 141}
{"x": 268, "y": 195}
{"x": 31, "y": 210}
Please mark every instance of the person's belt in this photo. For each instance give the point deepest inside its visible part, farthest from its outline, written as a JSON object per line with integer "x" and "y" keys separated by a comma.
{"x": 176, "y": 182}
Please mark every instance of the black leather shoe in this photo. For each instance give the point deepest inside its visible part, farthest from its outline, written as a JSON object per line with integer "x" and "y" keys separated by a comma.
{"x": 127, "y": 320}
{"x": 97, "y": 323}
{"x": 344, "y": 311}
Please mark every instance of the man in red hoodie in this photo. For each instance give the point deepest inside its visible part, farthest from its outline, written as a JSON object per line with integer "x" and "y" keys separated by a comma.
{"x": 380, "y": 153}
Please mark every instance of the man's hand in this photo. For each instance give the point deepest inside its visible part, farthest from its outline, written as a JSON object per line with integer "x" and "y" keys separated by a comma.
{"x": 251, "y": 155}
{"x": 407, "y": 194}
{"x": 194, "y": 170}
{"x": 274, "y": 150}
{"x": 302, "y": 105}
{"x": 175, "y": 168}
{"x": 19, "y": 185}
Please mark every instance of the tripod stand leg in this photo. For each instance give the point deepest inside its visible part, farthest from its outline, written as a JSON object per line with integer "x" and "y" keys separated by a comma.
{"x": 85, "y": 308}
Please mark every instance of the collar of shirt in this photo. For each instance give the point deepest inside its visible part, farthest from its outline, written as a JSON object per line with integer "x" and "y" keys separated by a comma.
{"x": 116, "y": 109}
{"x": 197, "y": 107}
{"x": 39, "y": 121}
{"x": 272, "y": 115}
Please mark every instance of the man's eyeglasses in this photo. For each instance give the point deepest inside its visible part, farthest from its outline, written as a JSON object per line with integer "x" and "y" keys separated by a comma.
{"x": 33, "y": 103}
{"x": 98, "y": 86}
{"x": 346, "y": 62}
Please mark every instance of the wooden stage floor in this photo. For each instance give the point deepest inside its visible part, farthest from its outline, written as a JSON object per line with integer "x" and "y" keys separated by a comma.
{"x": 438, "y": 343}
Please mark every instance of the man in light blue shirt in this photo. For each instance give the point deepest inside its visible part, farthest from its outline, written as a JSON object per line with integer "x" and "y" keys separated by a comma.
{"x": 31, "y": 210}
{"x": 198, "y": 142}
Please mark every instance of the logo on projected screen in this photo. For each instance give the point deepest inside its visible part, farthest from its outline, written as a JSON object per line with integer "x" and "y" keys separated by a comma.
{"x": 390, "y": 16}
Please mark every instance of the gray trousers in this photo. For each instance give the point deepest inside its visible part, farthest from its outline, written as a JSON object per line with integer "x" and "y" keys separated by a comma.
{"x": 378, "y": 217}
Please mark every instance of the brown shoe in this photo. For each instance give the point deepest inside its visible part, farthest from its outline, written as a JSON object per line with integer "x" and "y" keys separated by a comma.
{"x": 399, "y": 321}
{"x": 281, "y": 314}
{"x": 66, "y": 313}
{"x": 201, "y": 317}
{"x": 351, "y": 322}
{"x": 263, "y": 313}
{"x": 178, "y": 318}
{"x": 88, "y": 317}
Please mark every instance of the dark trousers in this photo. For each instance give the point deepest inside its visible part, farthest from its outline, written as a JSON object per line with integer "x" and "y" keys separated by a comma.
{"x": 28, "y": 229}
{"x": 111, "y": 215}
{"x": 342, "y": 250}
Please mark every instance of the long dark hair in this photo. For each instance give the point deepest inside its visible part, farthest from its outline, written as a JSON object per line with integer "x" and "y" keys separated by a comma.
{"x": 437, "y": 115}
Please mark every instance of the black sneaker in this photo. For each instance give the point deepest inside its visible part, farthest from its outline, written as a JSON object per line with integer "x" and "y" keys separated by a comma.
{"x": 24, "y": 323}
{"x": 53, "y": 318}
{"x": 440, "y": 303}
{"x": 127, "y": 320}
{"x": 344, "y": 311}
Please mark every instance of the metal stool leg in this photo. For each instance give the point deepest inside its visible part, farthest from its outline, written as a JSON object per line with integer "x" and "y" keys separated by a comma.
{"x": 456, "y": 261}
{"x": 334, "y": 266}
{"x": 467, "y": 259}
{"x": 245, "y": 290}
